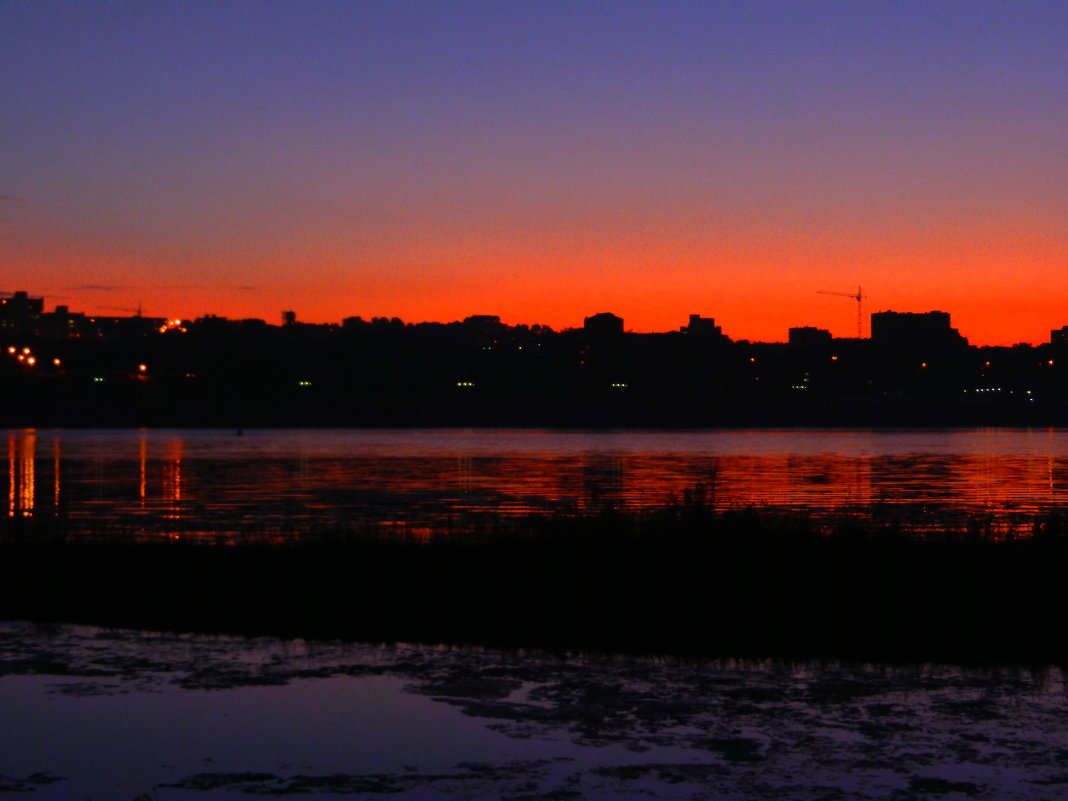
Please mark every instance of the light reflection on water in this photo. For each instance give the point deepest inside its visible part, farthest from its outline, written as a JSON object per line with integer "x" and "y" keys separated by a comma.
{"x": 291, "y": 480}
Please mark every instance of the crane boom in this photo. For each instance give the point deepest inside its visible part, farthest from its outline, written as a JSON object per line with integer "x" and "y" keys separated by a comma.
{"x": 858, "y": 296}
{"x": 137, "y": 311}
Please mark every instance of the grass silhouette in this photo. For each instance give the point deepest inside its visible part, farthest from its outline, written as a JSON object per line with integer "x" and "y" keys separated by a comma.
{"x": 681, "y": 578}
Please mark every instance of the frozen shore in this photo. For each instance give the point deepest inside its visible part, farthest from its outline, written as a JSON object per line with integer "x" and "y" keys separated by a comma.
{"x": 106, "y": 713}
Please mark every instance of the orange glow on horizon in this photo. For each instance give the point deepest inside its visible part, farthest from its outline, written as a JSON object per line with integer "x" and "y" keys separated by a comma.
{"x": 756, "y": 284}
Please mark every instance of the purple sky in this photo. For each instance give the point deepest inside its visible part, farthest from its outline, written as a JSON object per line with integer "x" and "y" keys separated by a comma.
{"x": 541, "y": 160}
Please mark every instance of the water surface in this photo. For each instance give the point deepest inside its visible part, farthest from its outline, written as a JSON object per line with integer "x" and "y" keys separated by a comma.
{"x": 160, "y": 481}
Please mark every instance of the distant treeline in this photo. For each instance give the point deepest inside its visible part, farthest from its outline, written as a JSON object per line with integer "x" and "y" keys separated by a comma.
{"x": 681, "y": 579}
{"x": 383, "y": 372}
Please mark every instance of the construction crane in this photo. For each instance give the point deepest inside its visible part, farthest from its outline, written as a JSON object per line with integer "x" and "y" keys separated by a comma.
{"x": 858, "y": 296}
{"x": 137, "y": 311}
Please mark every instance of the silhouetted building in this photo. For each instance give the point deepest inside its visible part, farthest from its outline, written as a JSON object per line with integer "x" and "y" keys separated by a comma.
{"x": 120, "y": 327}
{"x": 809, "y": 337}
{"x": 488, "y": 324}
{"x": 914, "y": 331}
{"x": 19, "y": 314}
{"x": 63, "y": 324}
{"x": 289, "y": 318}
{"x": 484, "y": 320}
{"x": 603, "y": 324}
{"x": 702, "y": 326}
{"x": 1059, "y": 336}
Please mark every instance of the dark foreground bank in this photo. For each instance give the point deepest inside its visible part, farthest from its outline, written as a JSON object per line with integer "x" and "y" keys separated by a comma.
{"x": 683, "y": 579}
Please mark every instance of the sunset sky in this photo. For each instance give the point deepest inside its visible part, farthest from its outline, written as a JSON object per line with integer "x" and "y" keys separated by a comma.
{"x": 541, "y": 160}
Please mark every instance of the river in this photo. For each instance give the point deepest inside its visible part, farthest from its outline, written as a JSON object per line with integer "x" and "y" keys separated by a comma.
{"x": 158, "y": 481}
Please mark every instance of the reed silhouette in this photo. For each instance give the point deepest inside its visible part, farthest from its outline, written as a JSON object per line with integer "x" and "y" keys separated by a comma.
{"x": 681, "y": 578}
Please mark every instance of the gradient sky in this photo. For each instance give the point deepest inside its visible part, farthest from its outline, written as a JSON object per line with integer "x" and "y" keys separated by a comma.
{"x": 541, "y": 160}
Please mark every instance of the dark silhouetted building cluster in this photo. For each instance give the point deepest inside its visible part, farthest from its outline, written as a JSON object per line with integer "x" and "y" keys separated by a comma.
{"x": 24, "y": 316}
{"x": 905, "y": 331}
{"x": 73, "y": 369}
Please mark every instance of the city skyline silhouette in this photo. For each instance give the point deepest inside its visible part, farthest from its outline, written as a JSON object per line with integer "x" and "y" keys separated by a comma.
{"x": 23, "y": 313}
{"x": 65, "y": 367}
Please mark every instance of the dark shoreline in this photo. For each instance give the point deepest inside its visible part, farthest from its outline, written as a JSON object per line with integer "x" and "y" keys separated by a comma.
{"x": 682, "y": 579}
{"x": 672, "y": 414}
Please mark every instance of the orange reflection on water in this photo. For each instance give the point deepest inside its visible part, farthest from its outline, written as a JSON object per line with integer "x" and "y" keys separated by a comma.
{"x": 180, "y": 484}
{"x": 21, "y": 447}
{"x": 142, "y": 464}
{"x": 882, "y": 484}
{"x": 57, "y": 457}
{"x": 172, "y": 481}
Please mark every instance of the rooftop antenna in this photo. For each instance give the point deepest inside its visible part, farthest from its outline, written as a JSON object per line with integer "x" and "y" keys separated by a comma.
{"x": 858, "y": 296}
